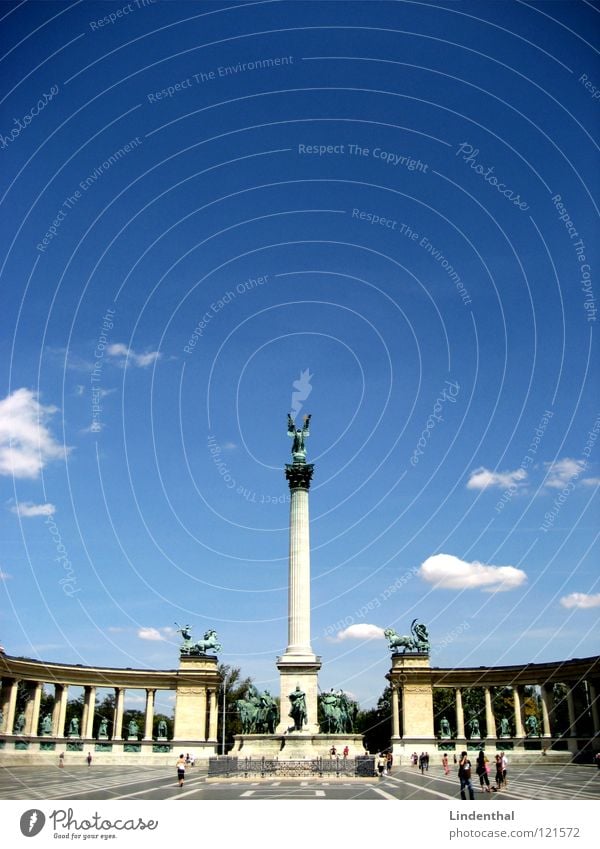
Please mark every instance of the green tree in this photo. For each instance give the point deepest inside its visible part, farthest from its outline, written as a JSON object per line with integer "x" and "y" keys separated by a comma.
{"x": 235, "y": 687}
{"x": 105, "y": 710}
{"x": 474, "y": 706}
{"x": 503, "y": 705}
{"x": 444, "y": 704}
{"x": 137, "y": 716}
{"x": 46, "y": 707}
{"x": 376, "y": 724}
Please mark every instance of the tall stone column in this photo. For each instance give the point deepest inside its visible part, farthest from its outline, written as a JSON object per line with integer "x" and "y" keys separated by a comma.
{"x": 571, "y": 710}
{"x": 299, "y": 666}
{"x": 213, "y": 716}
{"x": 4, "y": 702}
{"x": 518, "y": 714}
{"x": 299, "y": 567}
{"x": 202, "y": 717}
{"x": 10, "y": 708}
{"x": 395, "y": 713}
{"x": 594, "y": 707}
{"x": 547, "y": 706}
{"x": 118, "y": 715}
{"x": 32, "y": 710}
{"x": 460, "y": 714}
{"x": 149, "y": 715}
{"x": 61, "y": 716}
{"x": 58, "y": 730}
{"x": 490, "y": 720}
{"x": 89, "y": 706}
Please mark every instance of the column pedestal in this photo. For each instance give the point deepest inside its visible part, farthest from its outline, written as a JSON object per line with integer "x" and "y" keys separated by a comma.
{"x": 301, "y": 673}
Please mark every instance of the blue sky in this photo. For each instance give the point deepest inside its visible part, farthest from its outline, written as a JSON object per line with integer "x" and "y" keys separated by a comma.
{"x": 391, "y": 205}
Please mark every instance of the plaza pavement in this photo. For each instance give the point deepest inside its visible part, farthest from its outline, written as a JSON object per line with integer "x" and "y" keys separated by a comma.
{"x": 143, "y": 783}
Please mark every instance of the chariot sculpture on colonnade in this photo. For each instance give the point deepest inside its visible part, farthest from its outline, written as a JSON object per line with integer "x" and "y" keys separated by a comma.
{"x": 417, "y": 641}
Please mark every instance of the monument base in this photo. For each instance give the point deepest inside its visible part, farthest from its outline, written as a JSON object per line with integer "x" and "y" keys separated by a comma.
{"x": 298, "y": 671}
{"x": 296, "y": 745}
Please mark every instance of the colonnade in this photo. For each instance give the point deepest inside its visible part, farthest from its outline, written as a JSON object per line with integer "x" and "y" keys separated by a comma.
{"x": 413, "y": 683}
{"x": 31, "y": 714}
{"x": 492, "y": 727}
{"x": 195, "y": 687}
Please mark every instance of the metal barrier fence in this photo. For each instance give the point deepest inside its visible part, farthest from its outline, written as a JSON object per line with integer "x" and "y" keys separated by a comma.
{"x": 226, "y": 767}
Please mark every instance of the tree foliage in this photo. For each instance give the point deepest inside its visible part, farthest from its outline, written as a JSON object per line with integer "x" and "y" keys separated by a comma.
{"x": 235, "y": 688}
{"x": 376, "y": 724}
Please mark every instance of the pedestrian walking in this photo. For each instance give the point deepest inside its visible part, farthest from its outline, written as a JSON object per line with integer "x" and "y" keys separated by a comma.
{"x": 445, "y": 764}
{"x": 504, "y": 769}
{"x": 464, "y": 775}
{"x": 180, "y": 769}
{"x": 422, "y": 762}
{"x": 481, "y": 770}
{"x": 61, "y": 759}
{"x": 381, "y": 764}
{"x": 89, "y": 759}
{"x": 426, "y": 757}
{"x": 346, "y": 752}
{"x": 390, "y": 761}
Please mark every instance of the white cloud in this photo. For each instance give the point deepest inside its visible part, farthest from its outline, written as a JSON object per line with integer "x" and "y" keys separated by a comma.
{"x": 26, "y": 443}
{"x": 149, "y": 634}
{"x": 562, "y": 471}
{"x": 451, "y": 573}
{"x": 360, "y": 631}
{"x": 4, "y": 576}
{"x": 483, "y": 478}
{"x": 591, "y": 481}
{"x": 581, "y": 600}
{"x": 26, "y": 509}
{"x": 122, "y": 352}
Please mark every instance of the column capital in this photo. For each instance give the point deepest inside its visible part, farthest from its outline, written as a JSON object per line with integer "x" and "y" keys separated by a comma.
{"x": 299, "y": 475}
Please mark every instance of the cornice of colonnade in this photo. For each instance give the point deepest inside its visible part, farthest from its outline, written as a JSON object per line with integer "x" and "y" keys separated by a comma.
{"x": 28, "y": 669}
{"x": 554, "y": 672}
{"x": 415, "y": 667}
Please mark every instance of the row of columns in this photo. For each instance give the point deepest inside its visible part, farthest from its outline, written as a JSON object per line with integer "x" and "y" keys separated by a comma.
{"x": 59, "y": 712}
{"x": 491, "y": 730}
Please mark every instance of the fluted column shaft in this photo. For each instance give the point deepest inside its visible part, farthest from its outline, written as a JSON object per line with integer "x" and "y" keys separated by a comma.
{"x": 571, "y": 710}
{"x": 395, "y": 713}
{"x": 11, "y": 707}
{"x": 89, "y": 705}
{"x": 299, "y": 587}
{"x": 594, "y": 707}
{"x": 62, "y": 710}
{"x": 546, "y": 710}
{"x": 490, "y": 720}
{"x": 118, "y": 715}
{"x": 202, "y": 730}
{"x": 460, "y": 714}
{"x": 213, "y": 717}
{"x": 518, "y": 714}
{"x": 149, "y": 715}
{"x": 32, "y": 711}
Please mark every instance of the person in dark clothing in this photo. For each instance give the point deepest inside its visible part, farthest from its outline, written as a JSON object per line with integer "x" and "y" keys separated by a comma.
{"x": 464, "y": 775}
{"x": 481, "y": 770}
